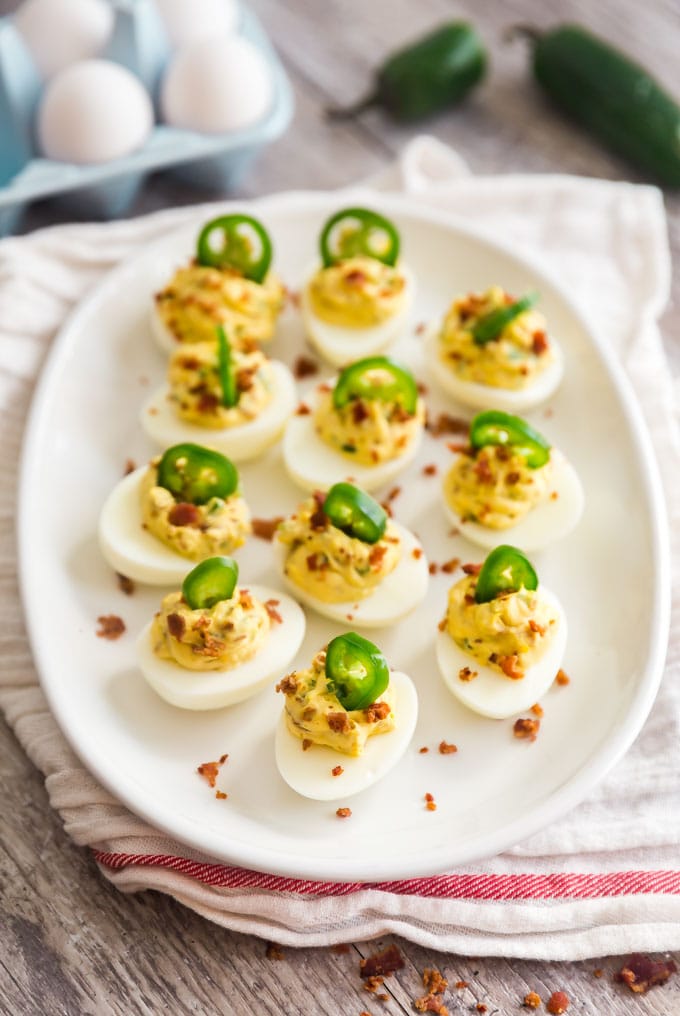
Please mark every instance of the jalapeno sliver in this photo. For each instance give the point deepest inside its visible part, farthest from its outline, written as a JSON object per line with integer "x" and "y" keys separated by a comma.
{"x": 495, "y": 427}
{"x": 490, "y": 326}
{"x": 210, "y": 582}
{"x": 196, "y": 474}
{"x": 376, "y": 377}
{"x": 356, "y": 670}
{"x": 505, "y": 570}
{"x": 225, "y": 370}
{"x": 358, "y": 232}
{"x": 239, "y": 242}
{"x": 355, "y": 512}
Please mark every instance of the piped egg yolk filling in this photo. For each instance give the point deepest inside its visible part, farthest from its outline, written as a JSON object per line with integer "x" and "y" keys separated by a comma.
{"x": 367, "y": 431}
{"x": 198, "y": 298}
{"x": 217, "y": 638}
{"x": 314, "y": 714}
{"x": 358, "y": 292}
{"x": 195, "y": 388}
{"x": 513, "y": 360}
{"x": 495, "y": 487}
{"x": 330, "y": 565}
{"x": 509, "y": 633}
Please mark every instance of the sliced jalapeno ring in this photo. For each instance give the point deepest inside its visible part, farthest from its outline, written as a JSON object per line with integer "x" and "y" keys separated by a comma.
{"x": 376, "y": 377}
{"x": 210, "y": 582}
{"x": 357, "y": 232}
{"x": 356, "y": 671}
{"x": 355, "y": 512}
{"x": 505, "y": 570}
{"x": 236, "y": 241}
{"x": 225, "y": 370}
{"x": 495, "y": 427}
{"x": 491, "y": 325}
{"x": 196, "y": 474}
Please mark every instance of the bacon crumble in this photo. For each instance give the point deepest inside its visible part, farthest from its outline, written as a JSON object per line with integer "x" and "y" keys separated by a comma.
{"x": 125, "y": 584}
{"x": 302, "y": 409}
{"x": 111, "y": 627}
{"x": 447, "y": 424}
{"x": 265, "y": 529}
{"x": 430, "y": 469}
{"x": 288, "y": 684}
{"x": 532, "y": 1000}
{"x": 176, "y": 626}
{"x": 382, "y": 963}
{"x": 129, "y": 467}
{"x": 184, "y": 514}
{"x": 640, "y": 972}
{"x": 526, "y": 729}
{"x": 274, "y": 951}
{"x": 274, "y": 616}
{"x": 210, "y": 770}
{"x": 304, "y": 367}
{"x": 377, "y": 711}
{"x": 466, "y": 674}
{"x": 450, "y": 565}
{"x": 447, "y": 749}
{"x": 344, "y": 812}
{"x": 558, "y": 1003}
{"x": 338, "y": 722}
{"x": 337, "y": 771}
{"x": 561, "y": 678}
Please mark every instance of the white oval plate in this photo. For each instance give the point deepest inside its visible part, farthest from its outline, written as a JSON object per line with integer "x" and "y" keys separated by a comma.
{"x": 610, "y": 574}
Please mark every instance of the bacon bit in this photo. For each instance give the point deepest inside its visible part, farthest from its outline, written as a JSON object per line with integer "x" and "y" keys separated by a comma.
{"x": 510, "y": 666}
{"x": 350, "y": 617}
{"x": 304, "y": 366}
{"x": 558, "y": 1003}
{"x": 598, "y": 972}
{"x": 442, "y": 624}
{"x": 189, "y": 363}
{"x": 308, "y": 714}
{"x": 152, "y": 411}
{"x": 273, "y": 951}
{"x": 184, "y": 514}
{"x": 532, "y": 1000}
{"x": 288, "y": 684}
{"x": 536, "y": 627}
{"x": 125, "y": 584}
{"x": 318, "y": 519}
{"x": 176, "y": 626}
{"x": 417, "y": 553}
{"x": 424, "y": 750}
{"x": 512, "y": 478}
{"x": 435, "y": 986}
{"x": 376, "y": 712}
{"x": 340, "y": 948}
{"x": 526, "y": 729}
{"x": 244, "y": 379}
{"x": 480, "y": 1007}
{"x": 451, "y": 565}
{"x": 208, "y": 403}
{"x": 483, "y": 471}
{"x": 561, "y": 678}
{"x": 129, "y": 467}
{"x": 245, "y": 599}
{"x": 554, "y": 496}
{"x": 388, "y": 509}
{"x": 316, "y": 561}
{"x": 394, "y": 493}
{"x": 344, "y": 812}
{"x": 433, "y": 568}
{"x": 640, "y": 972}
{"x": 356, "y": 277}
{"x": 430, "y": 802}
{"x": 337, "y": 771}
{"x": 306, "y": 744}
{"x": 422, "y": 388}
{"x": 420, "y": 328}
{"x": 264, "y": 529}
{"x": 537, "y": 710}
{"x": 460, "y": 448}
{"x": 377, "y": 554}
{"x": 447, "y": 749}
{"x": 323, "y": 387}
{"x": 539, "y": 344}
{"x": 472, "y": 569}
{"x": 454, "y": 531}
{"x": 274, "y": 616}
{"x": 210, "y": 770}
{"x": 220, "y": 795}
{"x": 302, "y": 409}
{"x": 372, "y": 984}
{"x": 381, "y": 963}
{"x": 430, "y": 469}
{"x": 465, "y": 674}
{"x": 447, "y": 424}
{"x": 462, "y": 984}
{"x": 111, "y": 627}
{"x": 359, "y": 411}
{"x": 338, "y": 722}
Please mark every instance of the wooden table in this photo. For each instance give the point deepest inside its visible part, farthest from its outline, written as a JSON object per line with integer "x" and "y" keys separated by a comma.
{"x": 71, "y": 944}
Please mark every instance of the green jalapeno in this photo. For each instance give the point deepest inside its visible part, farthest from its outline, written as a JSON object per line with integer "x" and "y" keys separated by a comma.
{"x": 355, "y": 512}
{"x": 356, "y": 232}
{"x": 497, "y": 428}
{"x": 236, "y": 241}
{"x": 490, "y": 326}
{"x": 225, "y": 370}
{"x": 376, "y": 377}
{"x": 210, "y": 582}
{"x": 505, "y": 570}
{"x": 356, "y": 671}
{"x": 196, "y": 474}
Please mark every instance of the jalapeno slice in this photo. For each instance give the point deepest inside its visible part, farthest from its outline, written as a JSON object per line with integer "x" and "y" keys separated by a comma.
{"x": 355, "y": 512}
{"x": 376, "y": 377}
{"x": 356, "y": 232}
{"x": 225, "y": 370}
{"x": 236, "y": 241}
{"x": 356, "y": 671}
{"x": 490, "y": 326}
{"x": 505, "y": 570}
{"x": 497, "y": 428}
{"x": 210, "y": 582}
{"x": 196, "y": 474}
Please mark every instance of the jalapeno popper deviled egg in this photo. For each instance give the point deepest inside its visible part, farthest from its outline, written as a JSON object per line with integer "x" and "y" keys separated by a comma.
{"x": 357, "y": 302}
{"x": 494, "y": 350}
{"x": 367, "y": 427}
{"x": 503, "y": 638}
{"x": 213, "y": 644}
{"x": 232, "y": 396}
{"x": 228, "y": 283}
{"x": 347, "y": 720}
{"x": 341, "y": 555}
{"x": 510, "y": 481}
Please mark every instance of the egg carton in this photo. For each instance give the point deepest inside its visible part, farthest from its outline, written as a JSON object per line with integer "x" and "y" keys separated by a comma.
{"x": 139, "y": 42}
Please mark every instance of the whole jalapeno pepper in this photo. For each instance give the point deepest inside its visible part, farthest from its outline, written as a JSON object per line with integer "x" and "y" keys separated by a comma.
{"x": 196, "y": 474}
{"x": 210, "y": 582}
{"x": 376, "y": 377}
{"x": 505, "y": 570}
{"x": 356, "y": 671}
{"x": 239, "y": 242}
{"x": 355, "y": 512}
{"x": 353, "y": 232}
{"x": 495, "y": 427}
{"x": 490, "y": 326}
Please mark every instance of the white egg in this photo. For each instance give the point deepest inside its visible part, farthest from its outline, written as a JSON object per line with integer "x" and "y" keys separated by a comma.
{"x": 187, "y": 22}
{"x": 398, "y": 594}
{"x": 214, "y": 689}
{"x": 92, "y": 112}
{"x": 60, "y": 32}
{"x": 217, "y": 84}
{"x": 314, "y": 465}
{"x": 491, "y": 693}
{"x": 480, "y": 396}
{"x": 309, "y": 773}
{"x": 547, "y": 522}
{"x": 247, "y": 441}
{"x": 341, "y": 345}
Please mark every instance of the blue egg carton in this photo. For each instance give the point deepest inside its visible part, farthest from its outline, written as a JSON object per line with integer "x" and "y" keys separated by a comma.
{"x": 104, "y": 191}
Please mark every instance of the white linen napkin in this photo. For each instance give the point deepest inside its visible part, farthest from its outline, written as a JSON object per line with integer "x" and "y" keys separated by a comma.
{"x": 606, "y": 878}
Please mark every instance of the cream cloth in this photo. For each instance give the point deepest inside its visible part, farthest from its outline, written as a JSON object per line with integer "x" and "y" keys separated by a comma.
{"x": 607, "y": 242}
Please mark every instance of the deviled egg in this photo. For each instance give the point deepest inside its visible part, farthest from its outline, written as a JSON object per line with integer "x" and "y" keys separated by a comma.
{"x": 347, "y": 720}
{"x": 357, "y": 302}
{"x": 341, "y": 555}
{"x": 234, "y": 397}
{"x": 184, "y": 506}
{"x": 366, "y": 427}
{"x": 503, "y": 638}
{"x": 213, "y": 644}
{"x": 510, "y": 481}
{"x": 494, "y": 350}
{"x": 228, "y": 283}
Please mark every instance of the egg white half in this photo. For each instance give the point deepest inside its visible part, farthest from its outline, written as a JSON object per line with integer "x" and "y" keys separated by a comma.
{"x": 480, "y": 396}
{"x": 340, "y": 345}
{"x": 549, "y": 521}
{"x": 309, "y": 773}
{"x": 215, "y": 689}
{"x": 161, "y": 423}
{"x": 491, "y": 693}
{"x": 398, "y": 594}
